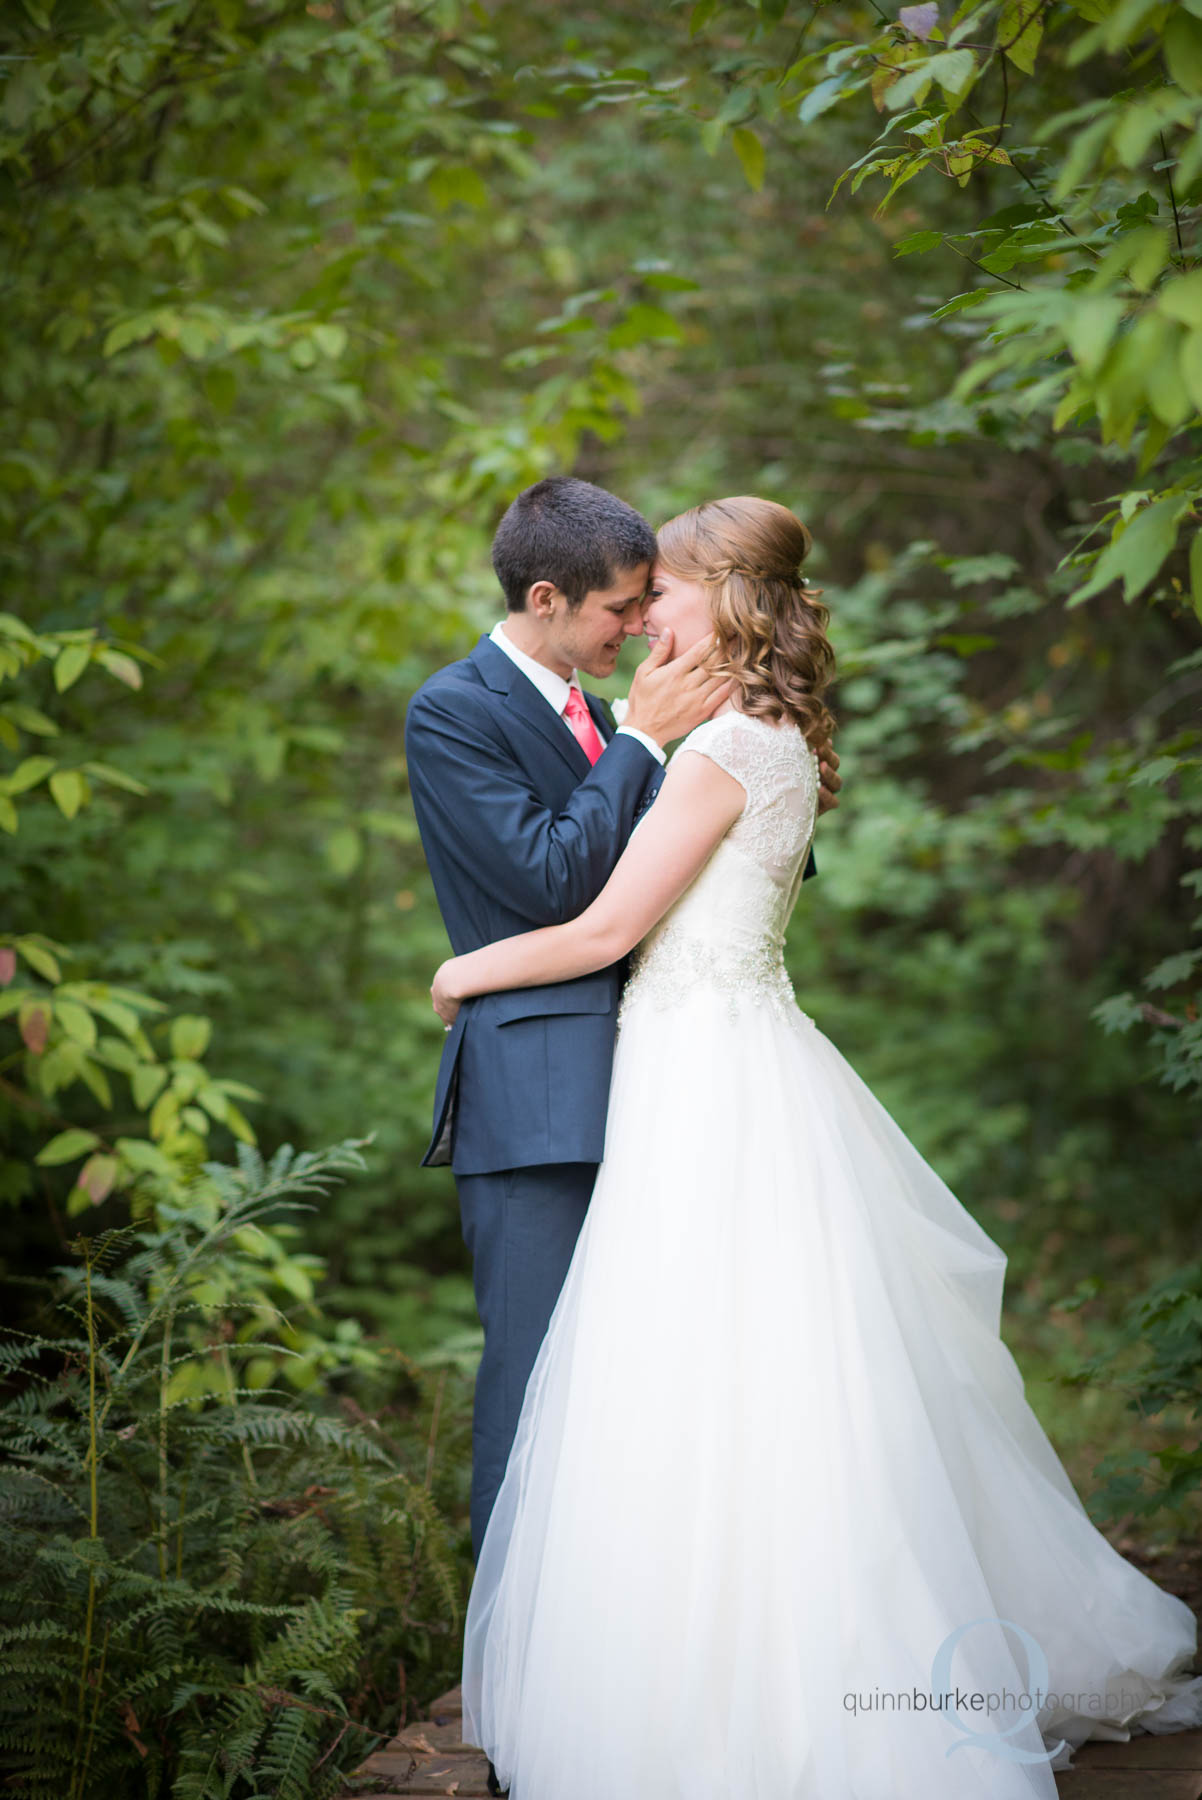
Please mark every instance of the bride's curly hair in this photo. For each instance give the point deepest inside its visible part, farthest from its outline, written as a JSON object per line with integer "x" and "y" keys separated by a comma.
{"x": 771, "y": 626}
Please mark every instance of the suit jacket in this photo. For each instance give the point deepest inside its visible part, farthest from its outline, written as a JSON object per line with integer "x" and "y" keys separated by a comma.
{"x": 520, "y": 831}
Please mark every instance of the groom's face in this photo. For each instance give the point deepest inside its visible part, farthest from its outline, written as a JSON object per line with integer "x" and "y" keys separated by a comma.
{"x": 589, "y": 637}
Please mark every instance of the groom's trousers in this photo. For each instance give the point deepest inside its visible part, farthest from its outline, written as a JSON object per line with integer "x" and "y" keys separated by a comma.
{"x": 520, "y": 1226}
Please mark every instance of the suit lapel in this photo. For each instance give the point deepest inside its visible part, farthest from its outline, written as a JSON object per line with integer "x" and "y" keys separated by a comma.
{"x": 504, "y": 677}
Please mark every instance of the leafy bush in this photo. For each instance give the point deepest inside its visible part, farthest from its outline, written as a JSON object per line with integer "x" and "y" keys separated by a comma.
{"x": 209, "y": 1584}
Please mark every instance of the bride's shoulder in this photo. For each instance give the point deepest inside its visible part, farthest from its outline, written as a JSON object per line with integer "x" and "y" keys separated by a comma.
{"x": 744, "y": 743}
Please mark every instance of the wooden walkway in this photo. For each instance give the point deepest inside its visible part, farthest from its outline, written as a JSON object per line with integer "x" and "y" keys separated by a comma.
{"x": 431, "y": 1758}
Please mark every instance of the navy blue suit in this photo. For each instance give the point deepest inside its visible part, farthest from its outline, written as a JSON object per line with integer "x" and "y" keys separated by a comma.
{"x": 519, "y": 831}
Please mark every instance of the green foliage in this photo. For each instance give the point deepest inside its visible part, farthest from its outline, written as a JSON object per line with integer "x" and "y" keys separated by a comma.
{"x": 1085, "y": 310}
{"x": 1155, "y": 1360}
{"x": 203, "y": 1581}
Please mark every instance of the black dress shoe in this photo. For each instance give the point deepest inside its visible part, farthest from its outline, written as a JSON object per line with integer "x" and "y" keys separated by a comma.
{"x": 494, "y": 1786}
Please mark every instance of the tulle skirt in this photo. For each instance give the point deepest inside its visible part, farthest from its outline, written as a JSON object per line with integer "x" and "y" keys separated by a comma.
{"x": 778, "y": 1522}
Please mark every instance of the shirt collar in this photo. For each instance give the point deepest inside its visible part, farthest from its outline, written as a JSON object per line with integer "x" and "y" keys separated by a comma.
{"x": 553, "y": 688}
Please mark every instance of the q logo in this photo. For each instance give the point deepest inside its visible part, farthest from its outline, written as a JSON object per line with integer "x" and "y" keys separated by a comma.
{"x": 1037, "y": 1668}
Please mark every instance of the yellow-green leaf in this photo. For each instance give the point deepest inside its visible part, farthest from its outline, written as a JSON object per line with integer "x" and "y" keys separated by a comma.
{"x": 239, "y": 1124}
{"x": 77, "y": 1022}
{"x": 70, "y": 790}
{"x": 70, "y": 664}
{"x": 27, "y": 774}
{"x": 750, "y": 152}
{"x": 1195, "y": 571}
{"x": 66, "y": 1147}
{"x": 1191, "y": 367}
{"x": 40, "y": 959}
{"x": 214, "y": 1102}
{"x": 1183, "y": 50}
{"x": 1019, "y": 32}
{"x": 330, "y": 339}
{"x": 190, "y": 1034}
{"x": 343, "y": 850}
{"x": 96, "y": 1080}
{"x": 118, "y": 777}
{"x": 1181, "y": 299}
{"x": 163, "y": 1114}
{"x": 145, "y": 1083}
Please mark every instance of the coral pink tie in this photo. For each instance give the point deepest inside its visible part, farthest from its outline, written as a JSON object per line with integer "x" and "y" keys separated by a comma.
{"x": 579, "y": 717}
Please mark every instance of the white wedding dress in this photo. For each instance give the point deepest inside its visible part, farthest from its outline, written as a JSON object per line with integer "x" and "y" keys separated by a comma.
{"x": 776, "y": 1482}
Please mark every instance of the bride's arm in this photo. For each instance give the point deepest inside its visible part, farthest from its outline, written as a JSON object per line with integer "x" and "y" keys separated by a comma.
{"x": 693, "y": 810}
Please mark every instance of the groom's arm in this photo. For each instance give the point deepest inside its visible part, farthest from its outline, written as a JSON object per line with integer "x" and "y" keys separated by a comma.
{"x": 478, "y": 810}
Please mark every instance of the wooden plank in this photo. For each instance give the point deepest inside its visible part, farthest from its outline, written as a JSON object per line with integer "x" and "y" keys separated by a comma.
{"x": 1175, "y": 1750}
{"x": 1128, "y": 1784}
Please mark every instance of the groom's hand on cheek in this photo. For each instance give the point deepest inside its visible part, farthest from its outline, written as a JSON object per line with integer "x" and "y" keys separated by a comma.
{"x": 667, "y": 699}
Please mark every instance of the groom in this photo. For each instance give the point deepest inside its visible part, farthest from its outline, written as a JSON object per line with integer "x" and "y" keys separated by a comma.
{"x": 525, "y": 797}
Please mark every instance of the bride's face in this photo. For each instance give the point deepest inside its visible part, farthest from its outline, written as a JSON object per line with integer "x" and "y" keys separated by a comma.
{"x": 673, "y": 601}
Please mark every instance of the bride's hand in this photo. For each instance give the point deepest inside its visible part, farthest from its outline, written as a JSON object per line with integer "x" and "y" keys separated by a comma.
{"x": 446, "y": 1001}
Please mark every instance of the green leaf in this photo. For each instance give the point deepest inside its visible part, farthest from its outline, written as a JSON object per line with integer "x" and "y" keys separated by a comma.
{"x": 70, "y": 664}
{"x": 1195, "y": 571}
{"x": 457, "y": 184}
{"x": 1191, "y": 366}
{"x": 1019, "y": 32}
{"x": 40, "y": 959}
{"x": 330, "y": 340}
{"x": 27, "y": 774}
{"x": 1174, "y": 971}
{"x": 29, "y": 719}
{"x": 1166, "y": 392}
{"x": 1153, "y": 255}
{"x": 1183, "y": 51}
{"x": 1119, "y": 1013}
{"x": 70, "y": 790}
{"x": 917, "y": 242}
{"x": 954, "y": 70}
{"x": 190, "y": 1035}
{"x": 77, "y": 1022}
{"x": 117, "y": 777}
{"x": 961, "y": 302}
{"x": 643, "y": 324}
{"x": 1181, "y": 299}
{"x": 910, "y": 89}
{"x": 1090, "y": 326}
{"x": 820, "y": 99}
{"x": 344, "y": 848}
{"x": 66, "y": 1147}
{"x": 144, "y": 1157}
{"x": 750, "y": 152}
{"x": 1136, "y": 554}
{"x": 1153, "y": 773}
{"x": 145, "y": 1082}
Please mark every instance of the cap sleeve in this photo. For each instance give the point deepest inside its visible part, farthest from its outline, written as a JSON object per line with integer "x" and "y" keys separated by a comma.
{"x": 727, "y": 742}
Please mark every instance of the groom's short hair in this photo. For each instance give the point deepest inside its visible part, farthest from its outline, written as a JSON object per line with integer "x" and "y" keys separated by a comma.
{"x": 571, "y": 533}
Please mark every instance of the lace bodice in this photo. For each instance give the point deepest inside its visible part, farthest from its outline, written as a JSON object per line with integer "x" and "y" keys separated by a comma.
{"x": 727, "y": 930}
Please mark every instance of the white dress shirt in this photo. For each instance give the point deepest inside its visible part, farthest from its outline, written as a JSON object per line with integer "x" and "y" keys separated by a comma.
{"x": 554, "y": 689}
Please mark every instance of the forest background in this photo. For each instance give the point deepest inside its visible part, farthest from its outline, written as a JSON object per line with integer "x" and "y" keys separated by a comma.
{"x": 296, "y": 297}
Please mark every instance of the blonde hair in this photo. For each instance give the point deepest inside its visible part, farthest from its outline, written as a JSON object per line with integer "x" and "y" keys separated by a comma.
{"x": 747, "y": 554}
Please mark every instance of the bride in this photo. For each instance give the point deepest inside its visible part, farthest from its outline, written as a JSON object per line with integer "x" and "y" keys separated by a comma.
{"x": 778, "y": 1522}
